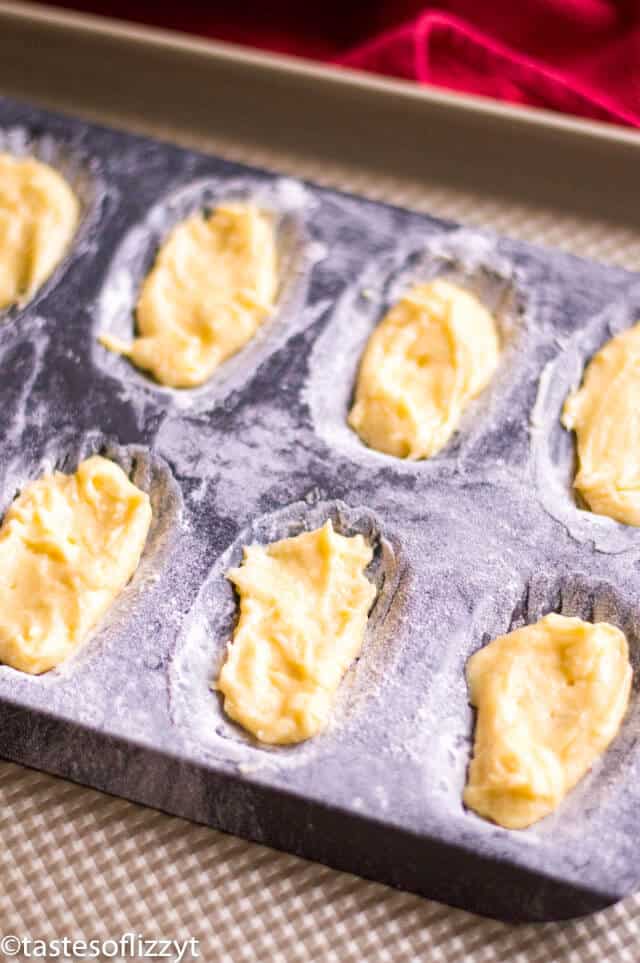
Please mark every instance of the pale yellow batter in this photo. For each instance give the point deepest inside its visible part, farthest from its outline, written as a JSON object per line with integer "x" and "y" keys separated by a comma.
{"x": 38, "y": 218}
{"x": 434, "y": 351}
{"x": 605, "y": 414}
{"x": 304, "y": 604}
{"x": 213, "y": 284}
{"x": 550, "y": 698}
{"x": 68, "y": 545}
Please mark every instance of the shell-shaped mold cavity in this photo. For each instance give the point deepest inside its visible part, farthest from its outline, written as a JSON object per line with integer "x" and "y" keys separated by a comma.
{"x": 466, "y": 258}
{"x": 553, "y": 447}
{"x": 594, "y": 600}
{"x": 146, "y": 470}
{"x": 82, "y": 172}
{"x": 288, "y": 202}
{"x": 201, "y": 649}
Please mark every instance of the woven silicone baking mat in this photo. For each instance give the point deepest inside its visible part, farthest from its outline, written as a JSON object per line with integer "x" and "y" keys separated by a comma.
{"x": 79, "y": 864}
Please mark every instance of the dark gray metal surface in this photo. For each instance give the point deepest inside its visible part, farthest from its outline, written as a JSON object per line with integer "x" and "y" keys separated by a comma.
{"x": 480, "y": 538}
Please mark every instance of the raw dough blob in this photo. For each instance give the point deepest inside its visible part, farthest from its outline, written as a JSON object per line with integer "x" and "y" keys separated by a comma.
{"x": 550, "y": 698}
{"x": 38, "y": 218}
{"x": 304, "y": 604}
{"x": 213, "y": 284}
{"x": 605, "y": 414}
{"x": 434, "y": 351}
{"x": 68, "y": 546}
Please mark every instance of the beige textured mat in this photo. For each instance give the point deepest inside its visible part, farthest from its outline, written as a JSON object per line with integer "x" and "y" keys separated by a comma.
{"x": 76, "y": 863}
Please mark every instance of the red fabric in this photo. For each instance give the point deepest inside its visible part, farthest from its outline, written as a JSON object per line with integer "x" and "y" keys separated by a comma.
{"x": 577, "y": 56}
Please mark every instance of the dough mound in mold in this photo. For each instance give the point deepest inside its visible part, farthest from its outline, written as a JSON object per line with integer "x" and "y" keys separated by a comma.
{"x": 38, "y": 220}
{"x": 465, "y": 259}
{"x": 200, "y": 651}
{"x": 147, "y": 472}
{"x": 304, "y": 605}
{"x": 212, "y": 285}
{"x": 550, "y": 698}
{"x": 69, "y": 544}
{"x": 68, "y": 223}
{"x": 592, "y": 777}
{"x": 554, "y": 456}
{"x": 432, "y": 353}
{"x": 603, "y": 413}
{"x": 285, "y": 204}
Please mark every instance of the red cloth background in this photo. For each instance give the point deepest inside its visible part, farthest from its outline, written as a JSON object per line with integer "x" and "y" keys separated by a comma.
{"x": 577, "y": 56}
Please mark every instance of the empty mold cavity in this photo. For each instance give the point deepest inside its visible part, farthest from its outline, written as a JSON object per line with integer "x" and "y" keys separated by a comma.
{"x": 201, "y": 649}
{"x": 553, "y": 447}
{"x": 465, "y": 258}
{"x": 612, "y": 782}
{"x": 146, "y": 470}
{"x": 82, "y": 173}
{"x": 290, "y": 205}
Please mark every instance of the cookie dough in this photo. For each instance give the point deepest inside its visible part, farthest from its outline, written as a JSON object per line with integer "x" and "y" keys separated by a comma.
{"x": 68, "y": 546}
{"x": 38, "y": 218}
{"x": 434, "y": 351}
{"x": 604, "y": 415}
{"x": 213, "y": 284}
{"x": 550, "y": 698}
{"x": 304, "y": 604}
